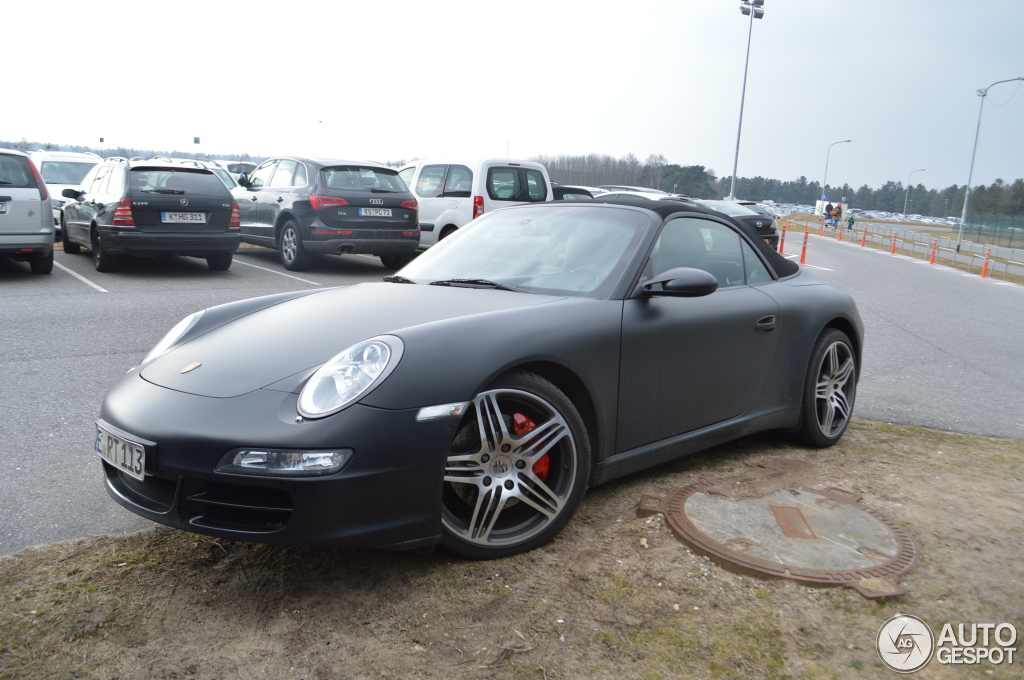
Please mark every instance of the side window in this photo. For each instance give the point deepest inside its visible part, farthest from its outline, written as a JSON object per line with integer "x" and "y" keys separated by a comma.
{"x": 283, "y": 175}
{"x": 536, "y": 187}
{"x": 87, "y": 180}
{"x": 459, "y": 183}
{"x": 504, "y": 184}
{"x": 407, "y": 174}
{"x": 115, "y": 182}
{"x": 431, "y": 181}
{"x": 261, "y": 174}
{"x": 301, "y": 179}
{"x": 755, "y": 270}
{"x": 700, "y": 244}
{"x": 99, "y": 181}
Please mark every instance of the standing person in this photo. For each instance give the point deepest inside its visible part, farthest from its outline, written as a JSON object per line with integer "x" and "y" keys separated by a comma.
{"x": 838, "y": 213}
{"x": 828, "y": 210}
{"x": 849, "y": 221}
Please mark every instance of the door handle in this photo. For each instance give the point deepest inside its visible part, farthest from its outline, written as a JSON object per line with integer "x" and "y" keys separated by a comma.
{"x": 765, "y": 324}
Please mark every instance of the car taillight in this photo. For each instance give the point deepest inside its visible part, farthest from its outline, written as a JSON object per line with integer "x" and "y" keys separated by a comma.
{"x": 43, "y": 193}
{"x": 235, "y": 222}
{"x": 320, "y": 202}
{"x": 478, "y": 206}
{"x": 123, "y": 213}
{"x": 411, "y": 204}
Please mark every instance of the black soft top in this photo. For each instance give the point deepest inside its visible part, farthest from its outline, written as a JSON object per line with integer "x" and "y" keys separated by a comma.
{"x": 666, "y": 208}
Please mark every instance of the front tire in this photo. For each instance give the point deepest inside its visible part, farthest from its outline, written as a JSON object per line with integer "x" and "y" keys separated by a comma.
{"x": 294, "y": 256}
{"x": 829, "y": 390}
{"x": 69, "y": 247}
{"x": 101, "y": 259}
{"x": 517, "y": 469}
{"x": 219, "y": 262}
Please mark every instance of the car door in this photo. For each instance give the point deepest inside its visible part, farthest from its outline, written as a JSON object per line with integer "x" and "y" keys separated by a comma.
{"x": 72, "y": 210}
{"x": 20, "y": 199}
{"x": 248, "y": 199}
{"x": 90, "y": 205}
{"x": 692, "y": 362}
{"x": 277, "y": 193}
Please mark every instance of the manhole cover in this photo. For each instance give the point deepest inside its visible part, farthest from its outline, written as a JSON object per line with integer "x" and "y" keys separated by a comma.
{"x": 825, "y": 536}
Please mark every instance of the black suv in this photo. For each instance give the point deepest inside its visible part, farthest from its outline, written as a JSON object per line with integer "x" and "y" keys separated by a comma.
{"x": 154, "y": 207}
{"x": 304, "y": 207}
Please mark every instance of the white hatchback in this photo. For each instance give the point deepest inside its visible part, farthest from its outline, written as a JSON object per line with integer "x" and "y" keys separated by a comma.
{"x": 26, "y": 223}
{"x": 451, "y": 193}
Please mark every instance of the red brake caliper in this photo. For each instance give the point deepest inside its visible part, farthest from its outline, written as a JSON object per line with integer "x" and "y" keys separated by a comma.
{"x": 521, "y": 425}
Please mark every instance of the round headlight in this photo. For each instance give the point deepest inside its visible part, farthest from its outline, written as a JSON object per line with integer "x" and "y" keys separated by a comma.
{"x": 349, "y": 375}
{"x": 173, "y": 335}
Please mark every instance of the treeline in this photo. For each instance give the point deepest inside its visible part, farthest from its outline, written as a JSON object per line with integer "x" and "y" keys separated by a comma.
{"x": 701, "y": 182}
{"x": 123, "y": 151}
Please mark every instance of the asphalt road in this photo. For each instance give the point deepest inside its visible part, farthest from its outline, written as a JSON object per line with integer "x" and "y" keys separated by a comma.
{"x": 939, "y": 352}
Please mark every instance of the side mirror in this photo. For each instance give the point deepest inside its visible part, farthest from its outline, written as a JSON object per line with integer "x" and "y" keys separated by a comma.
{"x": 243, "y": 180}
{"x": 71, "y": 193}
{"x": 681, "y": 282}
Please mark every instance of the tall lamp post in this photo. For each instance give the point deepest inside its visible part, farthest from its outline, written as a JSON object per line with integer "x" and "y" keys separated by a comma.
{"x": 752, "y": 8}
{"x": 907, "y": 198}
{"x": 824, "y": 182}
{"x": 970, "y": 173}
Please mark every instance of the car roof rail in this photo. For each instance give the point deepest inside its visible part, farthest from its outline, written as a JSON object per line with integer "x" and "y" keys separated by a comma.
{"x": 119, "y": 159}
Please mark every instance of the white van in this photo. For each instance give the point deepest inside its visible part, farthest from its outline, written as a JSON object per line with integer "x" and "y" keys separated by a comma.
{"x": 451, "y": 192}
{"x": 62, "y": 170}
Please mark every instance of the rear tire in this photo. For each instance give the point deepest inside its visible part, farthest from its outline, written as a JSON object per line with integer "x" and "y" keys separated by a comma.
{"x": 829, "y": 390}
{"x": 69, "y": 247}
{"x": 397, "y": 261}
{"x": 101, "y": 259}
{"x": 294, "y": 256}
{"x": 219, "y": 262}
{"x": 42, "y": 264}
{"x": 446, "y": 232}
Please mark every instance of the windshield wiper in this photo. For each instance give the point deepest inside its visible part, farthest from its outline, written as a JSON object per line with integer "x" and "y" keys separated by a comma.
{"x": 482, "y": 283}
{"x": 375, "y": 190}
{"x": 395, "y": 278}
{"x": 163, "y": 191}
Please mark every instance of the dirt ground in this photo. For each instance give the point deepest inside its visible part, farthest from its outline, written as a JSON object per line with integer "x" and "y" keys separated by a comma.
{"x": 613, "y": 596}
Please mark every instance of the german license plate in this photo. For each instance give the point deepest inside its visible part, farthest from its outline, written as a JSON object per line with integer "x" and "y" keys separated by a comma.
{"x": 179, "y": 217}
{"x": 375, "y": 212}
{"x": 3, "y": 207}
{"x": 127, "y": 456}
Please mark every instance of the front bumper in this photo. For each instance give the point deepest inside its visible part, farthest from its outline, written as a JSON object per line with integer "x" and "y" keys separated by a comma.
{"x": 388, "y": 495}
{"x": 169, "y": 243}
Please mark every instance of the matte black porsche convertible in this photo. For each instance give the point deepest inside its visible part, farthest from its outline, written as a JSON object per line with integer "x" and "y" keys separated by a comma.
{"x": 470, "y": 399}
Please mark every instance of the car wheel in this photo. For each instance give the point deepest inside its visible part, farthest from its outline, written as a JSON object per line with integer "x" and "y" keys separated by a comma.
{"x": 293, "y": 255}
{"x": 42, "y": 264}
{"x": 219, "y": 261}
{"x": 446, "y": 232}
{"x": 69, "y": 247}
{"x": 516, "y": 471}
{"x": 829, "y": 391}
{"x": 397, "y": 261}
{"x": 101, "y": 259}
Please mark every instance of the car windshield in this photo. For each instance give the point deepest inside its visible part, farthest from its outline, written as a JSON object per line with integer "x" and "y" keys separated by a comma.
{"x": 62, "y": 172}
{"x": 734, "y": 209}
{"x": 358, "y": 178}
{"x": 566, "y": 250}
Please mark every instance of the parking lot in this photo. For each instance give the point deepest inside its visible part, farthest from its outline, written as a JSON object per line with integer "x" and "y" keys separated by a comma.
{"x": 938, "y": 353}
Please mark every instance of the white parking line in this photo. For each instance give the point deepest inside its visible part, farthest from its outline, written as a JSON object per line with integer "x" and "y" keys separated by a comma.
{"x": 81, "y": 278}
{"x": 247, "y": 264}
{"x": 811, "y": 266}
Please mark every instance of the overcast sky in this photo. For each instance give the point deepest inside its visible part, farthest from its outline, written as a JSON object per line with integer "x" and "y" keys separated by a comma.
{"x": 390, "y": 79}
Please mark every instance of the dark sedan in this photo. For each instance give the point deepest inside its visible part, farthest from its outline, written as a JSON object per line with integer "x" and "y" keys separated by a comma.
{"x": 472, "y": 398}
{"x": 764, "y": 225}
{"x": 304, "y": 207}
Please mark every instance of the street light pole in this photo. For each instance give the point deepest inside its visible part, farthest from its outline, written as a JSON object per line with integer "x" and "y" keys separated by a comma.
{"x": 825, "y": 178}
{"x": 753, "y": 8}
{"x": 907, "y": 198}
{"x": 970, "y": 173}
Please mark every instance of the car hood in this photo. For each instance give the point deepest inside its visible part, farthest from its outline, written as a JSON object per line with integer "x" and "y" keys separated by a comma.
{"x": 297, "y": 336}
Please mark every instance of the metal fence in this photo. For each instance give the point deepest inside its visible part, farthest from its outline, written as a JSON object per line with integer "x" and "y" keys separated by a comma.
{"x": 999, "y": 230}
